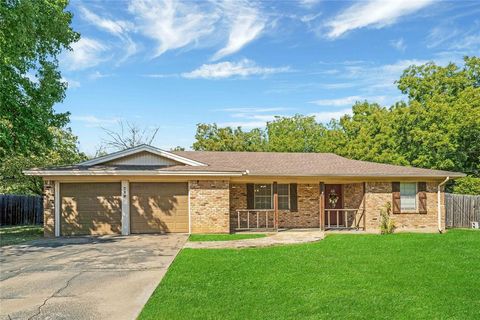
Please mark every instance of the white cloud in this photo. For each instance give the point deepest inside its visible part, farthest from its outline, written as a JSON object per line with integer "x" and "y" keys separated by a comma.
{"x": 399, "y": 44}
{"x": 85, "y": 53}
{"x": 308, "y": 3}
{"x": 116, "y": 27}
{"x": 329, "y": 115}
{"x": 243, "y": 124}
{"x": 227, "y": 69}
{"x": 251, "y": 117}
{"x": 173, "y": 24}
{"x": 468, "y": 42}
{"x": 72, "y": 84}
{"x": 93, "y": 121}
{"x": 373, "y": 13}
{"x": 98, "y": 75}
{"x": 252, "y": 109}
{"x": 245, "y": 22}
{"x": 345, "y": 101}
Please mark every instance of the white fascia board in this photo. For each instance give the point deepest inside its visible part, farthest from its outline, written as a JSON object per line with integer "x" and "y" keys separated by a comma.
{"x": 142, "y": 148}
{"x": 131, "y": 173}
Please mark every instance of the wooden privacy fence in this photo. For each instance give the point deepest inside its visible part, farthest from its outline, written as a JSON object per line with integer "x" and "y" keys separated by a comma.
{"x": 20, "y": 209}
{"x": 461, "y": 210}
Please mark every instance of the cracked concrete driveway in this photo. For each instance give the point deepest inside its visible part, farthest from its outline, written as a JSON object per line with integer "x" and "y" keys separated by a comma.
{"x": 84, "y": 277}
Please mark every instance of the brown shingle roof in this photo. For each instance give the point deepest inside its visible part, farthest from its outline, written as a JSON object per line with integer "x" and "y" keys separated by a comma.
{"x": 303, "y": 164}
{"x": 259, "y": 164}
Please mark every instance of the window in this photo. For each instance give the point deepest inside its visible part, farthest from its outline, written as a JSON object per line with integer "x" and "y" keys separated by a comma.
{"x": 408, "y": 196}
{"x": 283, "y": 196}
{"x": 263, "y": 196}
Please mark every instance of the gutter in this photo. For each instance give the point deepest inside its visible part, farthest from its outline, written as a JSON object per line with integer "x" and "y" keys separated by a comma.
{"x": 131, "y": 173}
{"x": 439, "y": 207}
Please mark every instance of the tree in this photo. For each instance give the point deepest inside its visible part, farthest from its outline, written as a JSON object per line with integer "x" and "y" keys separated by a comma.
{"x": 467, "y": 185}
{"x": 295, "y": 134}
{"x": 32, "y": 34}
{"x": 128, "y": 135}
{"x": 63, "y": 152}
{"x": 210, "y": 137}
{"x": 438, "y": 127}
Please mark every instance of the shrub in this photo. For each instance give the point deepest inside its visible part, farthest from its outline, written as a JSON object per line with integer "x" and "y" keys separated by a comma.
{"x": 387, "y": 225}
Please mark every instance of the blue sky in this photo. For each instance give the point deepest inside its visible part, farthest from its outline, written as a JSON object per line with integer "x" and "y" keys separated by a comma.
{"x": 171, "y": 64}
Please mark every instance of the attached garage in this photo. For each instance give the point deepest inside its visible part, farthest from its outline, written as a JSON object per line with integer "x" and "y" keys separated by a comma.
{"x": 90, "y": 209}
{"x": 158, "y": 207}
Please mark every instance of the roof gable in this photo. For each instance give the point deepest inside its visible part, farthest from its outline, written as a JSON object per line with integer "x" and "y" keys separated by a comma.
{"x": 143, "y": 155}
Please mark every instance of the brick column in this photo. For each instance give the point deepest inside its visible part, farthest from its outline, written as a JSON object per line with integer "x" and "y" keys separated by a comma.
{"x": 209, "y": 206}
{"x": 49, "y": 208}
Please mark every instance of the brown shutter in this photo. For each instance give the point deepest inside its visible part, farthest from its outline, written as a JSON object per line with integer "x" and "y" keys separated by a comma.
{"x": 293, "y": 197}
{"x": 250, "y": 196}
{"x": 396, "y": 197}
{"x": 422, "y": 197}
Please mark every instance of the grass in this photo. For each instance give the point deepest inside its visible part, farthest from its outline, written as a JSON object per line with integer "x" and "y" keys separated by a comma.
{"x": 399, "y": 276}
{"x": 17, "y": 234}
{"x": 225, "y": 237}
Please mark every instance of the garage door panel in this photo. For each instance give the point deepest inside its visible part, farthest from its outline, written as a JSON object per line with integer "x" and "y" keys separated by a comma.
{"x": 158, "y": 207}
{"x": 90, "y": 208}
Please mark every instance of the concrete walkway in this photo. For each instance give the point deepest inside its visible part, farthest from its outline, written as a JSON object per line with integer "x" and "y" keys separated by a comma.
{"x": 84, "y": 277}
{"x": 280, "y": 238}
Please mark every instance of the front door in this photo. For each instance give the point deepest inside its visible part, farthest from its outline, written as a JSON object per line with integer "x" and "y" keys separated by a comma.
{"x": 333, "y": 200}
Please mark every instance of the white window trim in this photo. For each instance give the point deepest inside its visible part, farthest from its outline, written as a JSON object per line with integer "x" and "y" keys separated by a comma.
{"x": 271, "y": 195}
{"x": 416, "y": 198}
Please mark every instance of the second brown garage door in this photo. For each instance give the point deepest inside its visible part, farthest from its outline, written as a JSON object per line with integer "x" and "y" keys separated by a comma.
{"x": 158, "y": 207}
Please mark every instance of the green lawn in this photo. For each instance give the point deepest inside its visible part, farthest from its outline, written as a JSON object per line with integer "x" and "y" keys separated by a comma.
{"x": 225, "y": 237}
{"x": 400, "y": 276}
{"x": 18, "y": 234}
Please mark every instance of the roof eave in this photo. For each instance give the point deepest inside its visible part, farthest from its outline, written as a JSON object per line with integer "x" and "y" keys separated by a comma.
{"x": 142, "y": 148}
{"x": 131, "y": 173}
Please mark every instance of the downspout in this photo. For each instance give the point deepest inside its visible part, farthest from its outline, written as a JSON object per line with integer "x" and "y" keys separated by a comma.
{"x": 439, "y": 208}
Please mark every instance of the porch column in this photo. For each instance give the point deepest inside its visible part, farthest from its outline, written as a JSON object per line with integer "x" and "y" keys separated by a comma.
{"x": 275, "y": 203}
{"x": 57, "y": 208}
{"x": 321, "y": 206}
{"x": 125, "y": 207}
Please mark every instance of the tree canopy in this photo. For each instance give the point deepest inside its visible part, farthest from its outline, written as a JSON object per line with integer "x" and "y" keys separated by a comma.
{"x": 32, "y": 35}
{"x": 436, "y": 126}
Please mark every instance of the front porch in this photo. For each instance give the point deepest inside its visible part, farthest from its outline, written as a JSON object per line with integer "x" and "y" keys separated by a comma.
{"x": 303, "y": 206}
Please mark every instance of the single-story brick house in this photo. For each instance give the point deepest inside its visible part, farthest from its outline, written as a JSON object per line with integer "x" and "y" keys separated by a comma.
{"x": 148, "y": 190}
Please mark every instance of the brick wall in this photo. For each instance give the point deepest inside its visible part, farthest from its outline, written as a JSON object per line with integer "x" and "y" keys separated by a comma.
{"x": 49, "y": 208}
{"x": 209, "y": 206}
{"x": 379, "y": 193}
{"x": 305, "y": 217}
{"x": 353, "y": 198}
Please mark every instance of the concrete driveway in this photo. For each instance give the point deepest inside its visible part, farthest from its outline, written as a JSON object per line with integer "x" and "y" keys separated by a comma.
{"x": 83, "y": 277}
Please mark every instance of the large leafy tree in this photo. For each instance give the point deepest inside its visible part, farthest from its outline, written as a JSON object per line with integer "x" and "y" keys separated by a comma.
{"x": 32, "y": 35}
{"x": 438, "y": 126}
{"x": 210, "y": 137}
{"x": 295, "y": 134}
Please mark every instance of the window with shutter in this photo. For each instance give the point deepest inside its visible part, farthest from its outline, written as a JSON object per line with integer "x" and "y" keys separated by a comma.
{"x": 408, "y": 196}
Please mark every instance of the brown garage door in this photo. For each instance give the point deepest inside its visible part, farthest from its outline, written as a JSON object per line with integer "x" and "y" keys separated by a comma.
{"x": 90, "y": 208}
{"x": 158, "y": 207}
